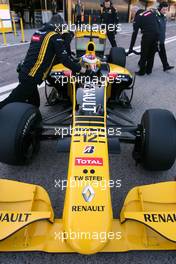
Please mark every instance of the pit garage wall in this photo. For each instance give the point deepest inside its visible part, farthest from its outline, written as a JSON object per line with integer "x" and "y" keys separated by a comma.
{"x": 121, "y": 5}
{"x": 125, "y": 7}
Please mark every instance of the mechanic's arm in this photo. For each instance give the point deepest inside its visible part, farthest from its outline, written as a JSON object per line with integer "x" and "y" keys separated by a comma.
{"x": 62, "y": 55}
{"x": 116, "y": 16}
{"x": 116, "y": 19}
{"x": 101, "y": 14}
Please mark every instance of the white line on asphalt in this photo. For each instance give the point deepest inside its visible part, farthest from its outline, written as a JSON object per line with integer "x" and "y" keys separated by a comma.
{"x": 13, "y": 45}
{"x": 173, "y": 37}
{"x": 2, "y": 97}
{"x": 168, "y": 40}
{"x": 5, "y": 90}
{"x": 171, "y": 25}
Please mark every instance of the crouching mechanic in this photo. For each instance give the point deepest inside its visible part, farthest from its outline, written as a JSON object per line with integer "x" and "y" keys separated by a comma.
{"x": 47, "y": 46}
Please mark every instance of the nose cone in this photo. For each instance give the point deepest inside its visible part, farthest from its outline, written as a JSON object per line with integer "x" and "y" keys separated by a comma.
{"x": 88, "y": 245}
{"x": 87, "y": 231}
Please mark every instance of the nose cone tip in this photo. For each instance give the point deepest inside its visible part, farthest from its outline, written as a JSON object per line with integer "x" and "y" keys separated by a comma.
{"x": 87, "y": 246}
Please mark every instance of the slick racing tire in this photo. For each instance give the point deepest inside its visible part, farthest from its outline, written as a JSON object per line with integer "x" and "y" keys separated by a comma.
{"x": 118, "y": 56}
{"x": 158, "y": 144}
{"x": 20, "y": 127}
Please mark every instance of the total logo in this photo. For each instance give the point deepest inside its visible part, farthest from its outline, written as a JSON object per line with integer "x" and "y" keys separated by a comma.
{"x": 88, "y": 162}
{"x": 89, "y": 150}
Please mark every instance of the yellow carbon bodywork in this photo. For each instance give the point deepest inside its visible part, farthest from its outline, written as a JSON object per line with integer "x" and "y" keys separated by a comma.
{"x": 82, "y": 34}
{"x": 118, "y": 69}
{"x": 59, "y": 67}
{"x": 113, "y": 69}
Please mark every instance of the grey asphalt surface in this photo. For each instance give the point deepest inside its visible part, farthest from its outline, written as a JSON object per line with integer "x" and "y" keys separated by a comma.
{"x": 155, "y": 91}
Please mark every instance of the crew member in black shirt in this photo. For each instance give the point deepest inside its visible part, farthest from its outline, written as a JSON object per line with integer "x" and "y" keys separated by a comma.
{"x": 47, "y": 46}
{"x": 148, "y": 22}
{"x": 162, "y": 11}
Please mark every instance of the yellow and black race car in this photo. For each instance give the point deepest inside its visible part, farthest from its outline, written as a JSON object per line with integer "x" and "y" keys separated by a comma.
{"x": 89, "y": 130}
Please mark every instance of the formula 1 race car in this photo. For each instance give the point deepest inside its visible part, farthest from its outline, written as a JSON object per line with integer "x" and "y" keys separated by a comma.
{"x": 89, "y": 130}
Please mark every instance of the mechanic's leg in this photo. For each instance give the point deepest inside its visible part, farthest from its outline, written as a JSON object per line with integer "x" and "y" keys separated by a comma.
{"x": 163, "y": 55}
{"x": 24, "y": 92}
{"x": 139, "y": 63}
{"x": 151, "y": 56}
{"x": 143, "y": 58}
{"x": 31, "y": 19}
{"x": 111, "y": 37}
{"x": 78, "y": 20}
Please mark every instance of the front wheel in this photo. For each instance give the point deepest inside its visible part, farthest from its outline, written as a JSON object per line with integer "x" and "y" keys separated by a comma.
{"x": 155, "y": 145}
{"x": 19, "y": 134}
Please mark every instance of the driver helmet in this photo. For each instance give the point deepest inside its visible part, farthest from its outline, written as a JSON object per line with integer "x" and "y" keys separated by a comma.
{"x": 91, "y": 60}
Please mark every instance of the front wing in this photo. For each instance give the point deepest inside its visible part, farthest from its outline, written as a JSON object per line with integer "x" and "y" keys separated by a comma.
{"x": 27, "y": 223}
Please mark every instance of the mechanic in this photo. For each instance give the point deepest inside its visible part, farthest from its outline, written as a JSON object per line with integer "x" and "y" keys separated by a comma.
{"x": 79, "y": 12}
{"x": 162, "y": 11}
{"x": 46, "y": 47}
{"x": 54, "y": 7}
{"x": 109, "y": 17}
{"x": 31, "y": 13}
{"x": 148, "y": 22}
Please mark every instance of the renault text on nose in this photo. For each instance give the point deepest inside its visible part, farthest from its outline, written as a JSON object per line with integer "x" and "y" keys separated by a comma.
{"x": 89, "y": 98}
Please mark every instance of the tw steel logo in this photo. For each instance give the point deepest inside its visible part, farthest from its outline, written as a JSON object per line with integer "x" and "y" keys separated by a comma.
{"x": 88, "y": 162}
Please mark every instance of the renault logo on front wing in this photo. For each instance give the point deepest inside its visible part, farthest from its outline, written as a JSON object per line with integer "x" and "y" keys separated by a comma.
{"x": 88, "y": 193}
